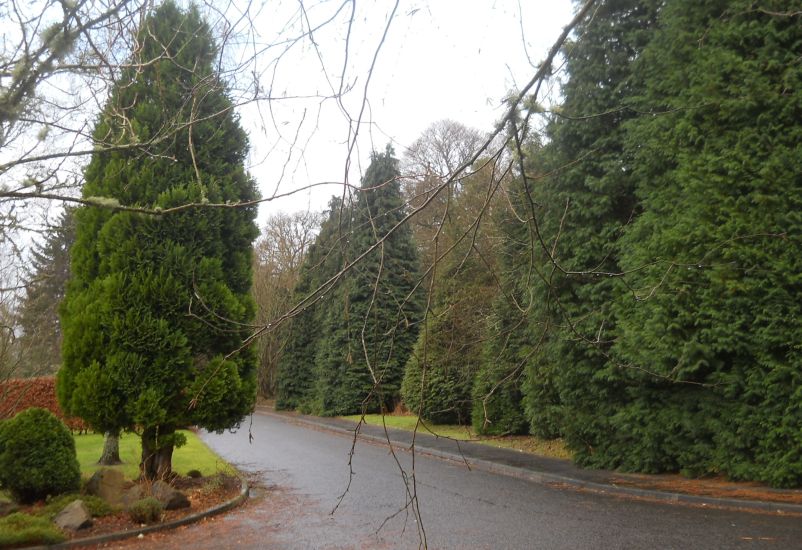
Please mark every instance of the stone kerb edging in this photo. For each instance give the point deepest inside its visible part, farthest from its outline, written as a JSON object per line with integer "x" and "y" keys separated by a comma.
{"x": 192, "y": 518}
{"x": 544, "y": 477}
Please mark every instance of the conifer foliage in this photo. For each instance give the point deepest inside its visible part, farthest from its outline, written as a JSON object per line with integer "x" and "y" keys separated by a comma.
{"x": 156, "y": 303}
{"x": 44, "y": 291}
{"x": 440, "y": 373}
{"x": 296, "y": 376}
{"x": 663, "y": 333}
{"x": 362, "y": 330}
{"x": 709, "y": 341}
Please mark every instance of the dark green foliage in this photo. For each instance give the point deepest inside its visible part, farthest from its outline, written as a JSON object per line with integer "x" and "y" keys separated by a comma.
{"x": 156, "y": 301}
{"x": 296, "y": 370}
{"x": 44, "y": 290}
{"x": 146, "y": 510}
{"x": 709, "y": 340}
{"x": 37, "y": 456}
{"x": 20, "y": 529}
{"x": 439, "y": 376}
{"x": 497, "y": 407}
{"x": 347, "y": 350}
{"x": 577, "y": 212}
{"x": 370, "y": 323}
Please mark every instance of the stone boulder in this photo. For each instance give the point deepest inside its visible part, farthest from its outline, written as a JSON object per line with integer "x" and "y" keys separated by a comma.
{"x": 74, "y": 516}
{"x": 108, "y": 484}
{"x": 171, "y": 498}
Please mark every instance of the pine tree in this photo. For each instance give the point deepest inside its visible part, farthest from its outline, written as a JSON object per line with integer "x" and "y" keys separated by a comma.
{"x": 157, "y": 304}
{"x": 709, "y": 345}
{"x": 44, "y": 291}
{"x": 578, "y": 209}
{"x": 370, "y": 323}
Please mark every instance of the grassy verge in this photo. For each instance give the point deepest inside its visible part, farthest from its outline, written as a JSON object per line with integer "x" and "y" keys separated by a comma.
{"x": 195, "y": 455}
{"x": 525, "y": 443}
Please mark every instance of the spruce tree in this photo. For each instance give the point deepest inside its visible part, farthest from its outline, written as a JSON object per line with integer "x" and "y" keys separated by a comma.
{"x": 371, "y": 321}
{"x": 157, "y": 305}
{"x": 44, "y": 291}
{"x": 709, "y": 347}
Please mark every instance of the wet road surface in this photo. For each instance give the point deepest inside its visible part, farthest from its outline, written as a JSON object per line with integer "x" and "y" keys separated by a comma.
{"x": 300, "y": 474}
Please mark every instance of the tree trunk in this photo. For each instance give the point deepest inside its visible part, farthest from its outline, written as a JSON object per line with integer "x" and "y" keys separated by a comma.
{"x": 157, "y": 457}
{"x": 111, "y": 450}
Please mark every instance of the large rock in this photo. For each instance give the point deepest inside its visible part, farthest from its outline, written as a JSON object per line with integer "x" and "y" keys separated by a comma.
{"x": 108, "y": 484}
{"x": 74, "y": 516}
{"x": 169, "y": 496}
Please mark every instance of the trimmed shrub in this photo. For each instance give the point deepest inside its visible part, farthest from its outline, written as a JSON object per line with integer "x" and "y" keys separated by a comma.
{"x": 37, "y": 456}
{"x": 146, "y": 510}
{"x": 20, "y": 529}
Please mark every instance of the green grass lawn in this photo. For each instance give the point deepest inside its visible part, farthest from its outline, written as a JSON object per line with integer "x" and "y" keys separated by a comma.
{"x": 195, "y": 455}
{"x": 525, "y": 443}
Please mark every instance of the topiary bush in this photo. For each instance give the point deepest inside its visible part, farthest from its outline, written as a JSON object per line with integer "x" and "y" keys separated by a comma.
{"x": 146, "y": 510}
{"x": 37, "y": 456}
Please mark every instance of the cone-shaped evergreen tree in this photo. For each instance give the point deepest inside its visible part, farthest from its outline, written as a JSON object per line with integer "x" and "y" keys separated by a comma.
{"x": 580, "y": 208}
{"x": 710, "y": 336}
{"x": 157, "y": 303}
{"x": 370, "y": 324}
{"x": 296, "y": 376}
{"x": 44, "y": 291}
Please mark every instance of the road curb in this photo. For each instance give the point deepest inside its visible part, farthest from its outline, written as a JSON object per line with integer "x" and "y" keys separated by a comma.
{"x": 186, "y": 520}
{"x": 551, "y": 478}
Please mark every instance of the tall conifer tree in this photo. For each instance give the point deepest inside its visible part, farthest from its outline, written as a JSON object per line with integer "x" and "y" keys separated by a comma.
{"x": 157, "y": 303}
{"x": 579, "y": 209}
{"x": 370, "y": 324}
{"x": 44, "y": 292}
{"x": 497, "y": 399}
{"x": 296, "y": 376}
{"x": 439, "y": 375}
{"x": 709, "y": 337}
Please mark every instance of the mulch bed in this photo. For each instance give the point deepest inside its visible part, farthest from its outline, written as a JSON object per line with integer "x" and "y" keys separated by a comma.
{"x": 203, "y": 493}
{"x": 718, "y": 487}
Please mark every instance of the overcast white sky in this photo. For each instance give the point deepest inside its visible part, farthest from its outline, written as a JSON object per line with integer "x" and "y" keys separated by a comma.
{"x": 441, "y": 59}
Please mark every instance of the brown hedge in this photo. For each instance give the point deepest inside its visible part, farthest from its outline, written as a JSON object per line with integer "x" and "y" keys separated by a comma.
{"x": 18, "y": 394}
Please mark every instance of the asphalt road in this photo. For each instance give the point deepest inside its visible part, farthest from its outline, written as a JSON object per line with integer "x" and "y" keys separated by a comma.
{"x": 306, "y": 470}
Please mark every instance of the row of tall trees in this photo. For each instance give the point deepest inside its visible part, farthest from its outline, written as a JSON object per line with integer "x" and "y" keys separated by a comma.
{"x": 637, "y": 291}
{"x": 632, "y": 285}
{"x": 661, "y": 323}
